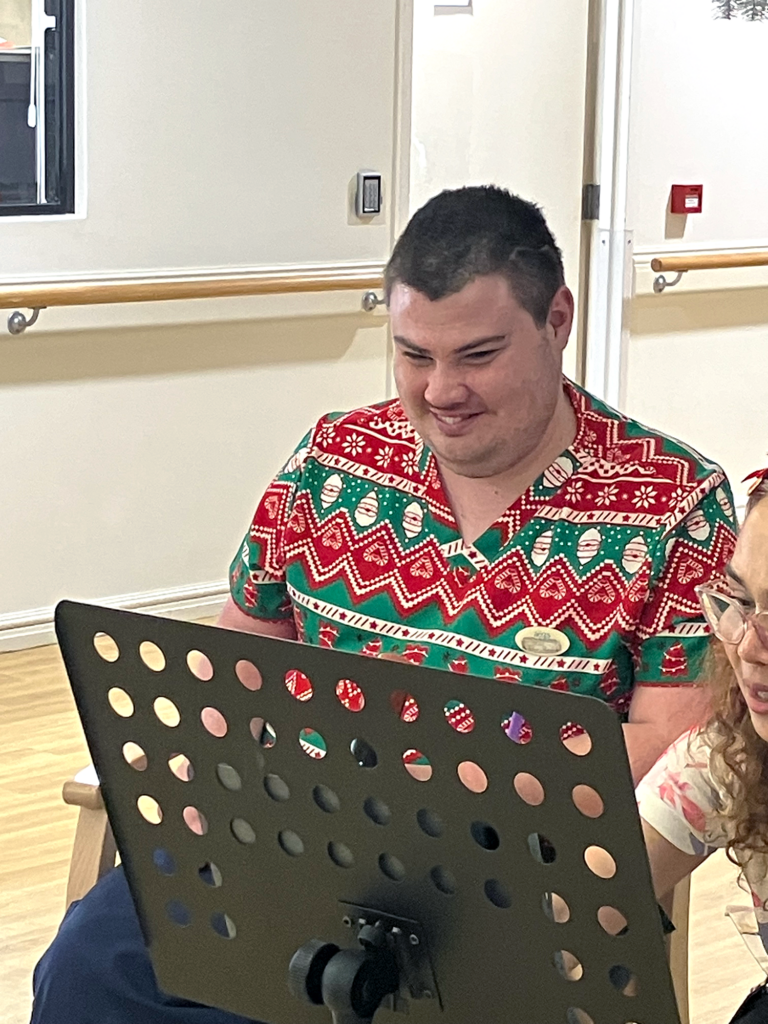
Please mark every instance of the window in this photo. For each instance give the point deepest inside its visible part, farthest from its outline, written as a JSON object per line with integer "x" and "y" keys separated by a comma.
{"x": 37, "y": 145}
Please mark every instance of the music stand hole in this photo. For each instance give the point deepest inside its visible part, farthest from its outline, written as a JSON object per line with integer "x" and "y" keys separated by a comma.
{"x": 210, "y": 874}
{"x": 623, "y": 980}
{"x": 364, "y": 753}
{"x": 443, "y": 880}
{"x": 164, "y": 862}
{"x": 555, "y": 908}
{"x": 459, "y": 717}
{"x": 350, "y": 695}
{"x": 242, "y": 831}
{"x": 176, "y": 912}
{"x": 151, "y": 655}
{"x": 541, "y": 848}
{"x": 166, "y": 712}
{"x": 277, "y": 788}
{"x": 587, "y": 800}
{"x": 341, "y": 855}
{"x": 298, "y": 685}
{"x": 405, "y": 706}
{"x": 229, "y": 777}
{"x": 135, "y": 756}
{"x": 106, "y": 647}
{"x": 223, "y": 925}
{"x": 600, "y": 862}
{"x": 517, "y": 728}
{"x": 485, "y": 835}
{"x": 430, "y": 823}
{"x": 612, "y": 921}
{"x": 377, "y": 811}
{"x": 200, "y": 666}
{"x": 263, "y": 733}
{"x": 497, "y": 894}
{"x": 417, "y": 765}
{"x": 472, "y": 776}
{"x": 568, "y": 965}
{"x": 195, "y": 820}
{"x": 313, "y": 744}
{"x": 149, "y": 809}
{"x": 120, "y": 702}
{"x": 248, "y": 674}
{"x": 291, "y": 843}
{"x": 214, "y": 722}
{"x": 392, "y": 867}
{"x": 578, "y": 1016}
{"x": 181, "y": 767}
{"x": 529, "y": 789}
{"x": 326, "y": 799}
{"x": 576, "y": 739}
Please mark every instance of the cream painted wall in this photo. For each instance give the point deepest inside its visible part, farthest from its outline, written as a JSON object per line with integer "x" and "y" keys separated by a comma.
{"x": 498, "y": 97}
{"x": 132, "y": 460}
{"x": 697, "y": 358}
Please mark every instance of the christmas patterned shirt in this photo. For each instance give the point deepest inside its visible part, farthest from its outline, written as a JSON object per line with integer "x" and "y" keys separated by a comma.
{"x": 585, "y": 583}
{"x": 682, "y": 799}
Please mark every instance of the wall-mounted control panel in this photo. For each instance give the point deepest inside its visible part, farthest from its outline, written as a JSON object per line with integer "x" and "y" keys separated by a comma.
{"x": 368, "y": 194}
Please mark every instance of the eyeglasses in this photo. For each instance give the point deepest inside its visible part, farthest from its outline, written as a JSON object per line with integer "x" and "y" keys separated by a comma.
{"x": 727, "y": 618}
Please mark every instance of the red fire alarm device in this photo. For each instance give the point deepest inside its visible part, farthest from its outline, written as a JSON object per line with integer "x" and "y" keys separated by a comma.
{"x": 686, "y": 199}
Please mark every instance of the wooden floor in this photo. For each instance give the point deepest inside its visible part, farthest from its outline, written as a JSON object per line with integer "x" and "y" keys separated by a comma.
{"x": 41, "y": 744}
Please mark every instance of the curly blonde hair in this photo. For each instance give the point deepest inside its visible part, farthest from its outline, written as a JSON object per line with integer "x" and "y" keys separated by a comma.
{"x": 740, "y": 757}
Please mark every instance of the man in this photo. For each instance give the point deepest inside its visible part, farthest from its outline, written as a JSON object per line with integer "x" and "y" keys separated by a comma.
{"x": 495, "y": 520}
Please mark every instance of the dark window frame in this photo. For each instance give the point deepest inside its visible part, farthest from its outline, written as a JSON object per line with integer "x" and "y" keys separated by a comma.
{"x": 60, "y": 117}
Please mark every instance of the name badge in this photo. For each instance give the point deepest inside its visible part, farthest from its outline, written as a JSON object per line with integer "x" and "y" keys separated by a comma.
{"x": 540, "y": 640}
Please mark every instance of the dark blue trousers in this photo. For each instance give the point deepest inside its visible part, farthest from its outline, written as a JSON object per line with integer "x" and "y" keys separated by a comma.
{"x": 97, "y": 969}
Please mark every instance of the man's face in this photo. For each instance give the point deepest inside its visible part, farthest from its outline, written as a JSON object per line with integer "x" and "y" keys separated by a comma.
{"x": 478, "y": 379}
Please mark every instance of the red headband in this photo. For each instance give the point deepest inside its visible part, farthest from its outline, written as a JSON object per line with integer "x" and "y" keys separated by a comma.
{"x": 757, "y": 479}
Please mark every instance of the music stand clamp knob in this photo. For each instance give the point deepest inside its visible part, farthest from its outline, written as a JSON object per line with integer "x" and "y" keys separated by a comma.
{"x": 351, "y": 982}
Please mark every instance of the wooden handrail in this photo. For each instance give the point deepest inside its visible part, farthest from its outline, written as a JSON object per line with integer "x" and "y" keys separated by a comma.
{"x": 208, "y": 286}
{"x": 709, "y": 261}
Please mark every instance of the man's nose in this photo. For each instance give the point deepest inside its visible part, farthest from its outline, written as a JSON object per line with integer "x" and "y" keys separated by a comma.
{"x": 445, "y": 388}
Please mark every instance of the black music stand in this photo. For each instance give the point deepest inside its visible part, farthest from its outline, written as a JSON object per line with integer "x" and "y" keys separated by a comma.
{"x": 299, "y": 830}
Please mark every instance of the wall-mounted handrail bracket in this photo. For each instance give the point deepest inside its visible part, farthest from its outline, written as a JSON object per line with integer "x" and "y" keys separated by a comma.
{"x": 371, "y": 300}
{"x": 660, "y": 282}
{"x": 18, "y": 323}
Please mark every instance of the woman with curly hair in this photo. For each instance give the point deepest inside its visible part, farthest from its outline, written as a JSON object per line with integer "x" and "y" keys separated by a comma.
{"x": 710, "y": 788}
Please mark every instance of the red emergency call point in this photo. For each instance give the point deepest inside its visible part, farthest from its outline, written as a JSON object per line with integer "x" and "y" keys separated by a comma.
{"x": 686, "y": 199}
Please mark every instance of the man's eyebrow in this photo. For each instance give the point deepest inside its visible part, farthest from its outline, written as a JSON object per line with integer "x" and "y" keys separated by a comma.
{"x": 469, "y": 347}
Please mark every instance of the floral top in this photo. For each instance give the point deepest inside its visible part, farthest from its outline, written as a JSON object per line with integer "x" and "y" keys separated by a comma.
{"x": 682, "y": 800}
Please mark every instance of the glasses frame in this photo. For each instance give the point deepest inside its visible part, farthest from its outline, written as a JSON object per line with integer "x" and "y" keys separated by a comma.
{"x": 757, "y": 619}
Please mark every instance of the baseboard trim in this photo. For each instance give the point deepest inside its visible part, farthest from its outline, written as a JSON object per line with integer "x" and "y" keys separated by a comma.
{"x": 34, "y": 627}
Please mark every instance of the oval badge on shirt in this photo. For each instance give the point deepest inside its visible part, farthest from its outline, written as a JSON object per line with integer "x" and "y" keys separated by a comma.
{"x": 541, "y": 640}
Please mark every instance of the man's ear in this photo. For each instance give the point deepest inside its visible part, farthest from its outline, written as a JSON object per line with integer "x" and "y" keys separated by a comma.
{"x": 560, "y": 316}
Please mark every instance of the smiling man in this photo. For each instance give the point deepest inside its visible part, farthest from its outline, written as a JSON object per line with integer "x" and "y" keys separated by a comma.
{"x": 494, "y": 519}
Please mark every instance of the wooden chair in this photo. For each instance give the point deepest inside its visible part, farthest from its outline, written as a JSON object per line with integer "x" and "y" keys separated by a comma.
{"x": 94, "y": 850}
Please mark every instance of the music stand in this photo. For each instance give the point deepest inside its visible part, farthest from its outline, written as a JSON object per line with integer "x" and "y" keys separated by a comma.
{"x": 297, "y": 819}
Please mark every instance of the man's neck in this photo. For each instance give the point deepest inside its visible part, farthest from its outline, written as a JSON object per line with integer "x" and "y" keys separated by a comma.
{"x": 477, "y": 502}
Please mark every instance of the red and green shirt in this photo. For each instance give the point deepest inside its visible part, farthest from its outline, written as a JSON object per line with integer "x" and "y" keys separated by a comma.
{"x": 585, "y": 583}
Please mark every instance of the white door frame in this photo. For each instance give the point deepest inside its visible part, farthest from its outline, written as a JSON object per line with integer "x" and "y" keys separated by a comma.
{"x": 607, "y": 287}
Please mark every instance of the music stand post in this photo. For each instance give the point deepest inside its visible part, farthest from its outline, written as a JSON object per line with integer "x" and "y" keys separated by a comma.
{"x": 266, "y": 795}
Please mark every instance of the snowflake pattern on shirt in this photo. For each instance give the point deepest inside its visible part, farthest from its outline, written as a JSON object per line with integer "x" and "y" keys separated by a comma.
{"x": 355, "y": 539}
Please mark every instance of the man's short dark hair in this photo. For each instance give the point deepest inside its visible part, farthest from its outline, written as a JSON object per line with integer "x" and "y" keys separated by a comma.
{"x": 470, "y": 232}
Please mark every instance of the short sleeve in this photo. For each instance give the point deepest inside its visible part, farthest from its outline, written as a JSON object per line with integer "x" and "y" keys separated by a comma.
{"x": 672, "y": 635}
{"x": 257, "y": 574}
{"x": 678, "y": 797}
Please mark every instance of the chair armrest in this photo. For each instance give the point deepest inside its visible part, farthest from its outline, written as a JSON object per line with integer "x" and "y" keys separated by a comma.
{"x": 82, "y": 794}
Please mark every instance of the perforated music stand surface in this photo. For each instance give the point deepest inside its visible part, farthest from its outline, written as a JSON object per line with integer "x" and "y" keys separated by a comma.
{"x": 279, "y": 864}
